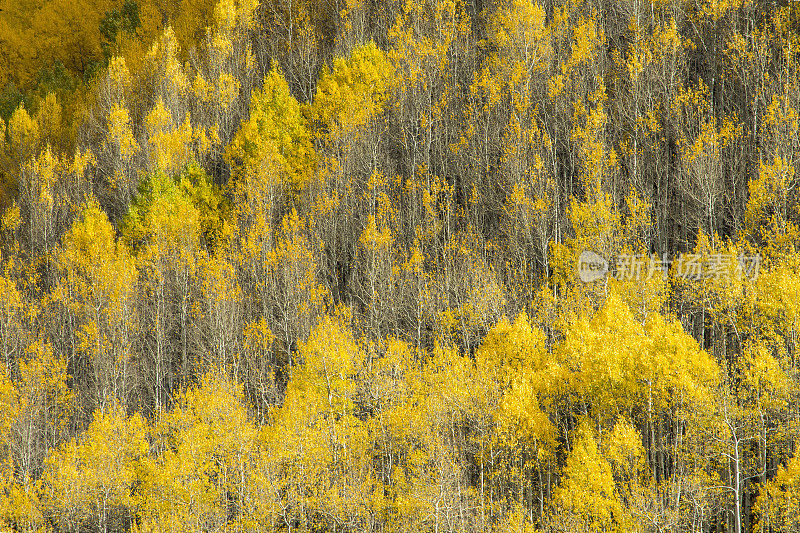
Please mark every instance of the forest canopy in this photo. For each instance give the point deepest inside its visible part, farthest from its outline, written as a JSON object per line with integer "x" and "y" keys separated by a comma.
{"x": 399, "y": 266}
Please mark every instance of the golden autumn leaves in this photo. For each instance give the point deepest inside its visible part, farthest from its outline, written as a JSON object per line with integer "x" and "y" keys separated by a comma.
{"x": 270, "y": 289}
{"x": 365, "y": 433}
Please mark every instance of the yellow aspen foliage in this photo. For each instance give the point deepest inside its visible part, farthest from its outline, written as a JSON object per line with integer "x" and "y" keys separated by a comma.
{"x": 43, "y": 172}
{"x": 13, "y": 508}
{"x": 118, "y": 150}
{"x": 120, "y": 132}
{"x": 597, "y": 224}
{"x": 781, "y": 122}
{"x": 52, "y": 127}
{"x": 227, "y": 90}
{"x": 522, "y": 414}
{"x": 394, "y": 388}
{"x": 15, "y": 30}
{"x": 585, "y": 499}
{"x": 395, "y": 376}
{"x": 44, "y": 403}
{"x": 221, "y": 298}
{"x": 512, "y": 79}
{"x": 10, "y": 224}
{"x": 451, "y": 388}
{"x": 623, "y": 449}
{"x": 319, "y": 443}
{"x": 123, "y": 147}
{"x": 93, "y": 478}
{"x": 768, "y": 207}
{"x": 197, "y": 479}
{"x": 207, "y": 198}
{"x": 665, "y": 45}
{"x": 517, "y": 520}
{"x": 519, "y": 32}
{"x": 23, "y": 133}
{"x": 778, "y": 503}
{"x": 530, "y": 205}
{"x": 20, "y": 507}
{"x": 48, "y": 183}
{"x": 597, "y": 221}
{"x": 587, "y": 37}
{"x": 353, "y": 91}
{"x": 766, "y": 380}
{"x": 519, "y": 378}
{"x": 225, "y": 77}
{"x": 20, "y": 141}
{"x": 728, "y": 289}
{"x": 228, "y": 14}
{"x": 426, "y": 39}
{"x": 769, "y": 212}
{"x": 512, "y": 349}
{"x": 163, "y": 227}
{"x": 98, "y": 285}
{"x": 622, "y": 365}
{"x": 164, "y": 218}
{"x": 12, "y": 315}
{"x": 600, "y": 226}
{"x": 374, "y": 240}
{"x": 78, "y": 47}
{"x": 427, "y": 488}
{"x": 35, "y": 416}
{"x": 169, "y": 143}
{"x": 354, "y": 25}
{"x": 676, "y": 367}
{"x": 256, "y": 198}
{"x": 297, "y": 294}
{"x": 381, "y": 276}
{"x": 118, "y": 80}
{"x": 575, "y": 68}
{"x": 598, "y": 162}
{"x": 426, "y": 424}
{"x": 275, "y": 135}
{"x": 415, "y": 48}
{"x": 256, "y": 359}
{"x": 325, "y": 379}
{"x": 776, "y": 310}
{"x": 166, "y": 74}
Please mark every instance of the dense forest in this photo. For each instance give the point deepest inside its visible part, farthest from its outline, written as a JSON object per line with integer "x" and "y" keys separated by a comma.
{"x": 313, "y": 265}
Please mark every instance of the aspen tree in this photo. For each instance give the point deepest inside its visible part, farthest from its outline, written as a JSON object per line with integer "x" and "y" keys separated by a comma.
{"x": 163, "y": 228}
{"x": 322, "y": 447}
{"x": 12, "y": 314}
{"x": 36, "y": 409}
{"x": 204, "y": 446}
{"x": 91, "y": 480}
{"x": 276, "y": 134}
{"x": 225, "y": 73}
{"x": 777, "y": 505}
{"x": 49, "y": 185}
{"x": 98, "y": 287}
{"x": 347, "y": 111}
{"x": 521, "y": 454}
{"x": 585, "y": 500}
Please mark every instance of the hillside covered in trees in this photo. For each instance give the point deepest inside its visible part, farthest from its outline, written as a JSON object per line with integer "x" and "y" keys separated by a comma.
{"x": 300, "y": 265}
